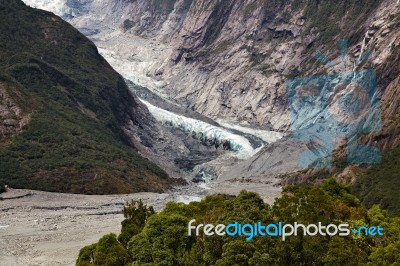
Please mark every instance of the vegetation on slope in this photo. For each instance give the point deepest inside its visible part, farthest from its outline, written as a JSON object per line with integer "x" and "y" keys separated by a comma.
{"x": 380, "y": 183}
{"x": 376, "y": 184}
{"x": 77, "y": 102}
{"x": 162, "y": 239}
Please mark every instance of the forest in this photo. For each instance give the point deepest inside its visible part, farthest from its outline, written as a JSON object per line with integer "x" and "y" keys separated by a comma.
{"x": 150, "y": 238}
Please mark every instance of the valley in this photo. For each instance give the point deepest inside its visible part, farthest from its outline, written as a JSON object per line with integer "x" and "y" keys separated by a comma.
{"x": 214, "y": 78}
{"x": 177, "y": 100}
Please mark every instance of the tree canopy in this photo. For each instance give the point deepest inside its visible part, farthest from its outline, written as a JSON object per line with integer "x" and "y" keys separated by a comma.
{"x": 163, "y": 239}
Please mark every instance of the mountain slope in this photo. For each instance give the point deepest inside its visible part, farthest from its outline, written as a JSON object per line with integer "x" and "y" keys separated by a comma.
{"x": 234, "y": 58}
{"x": 231, "y": 60}
{"x": 62, "y": 108}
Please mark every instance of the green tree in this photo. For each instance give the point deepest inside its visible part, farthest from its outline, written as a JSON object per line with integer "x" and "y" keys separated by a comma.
{"x": 162, "y": 238}
{"x": 107, "y": 252}
{"x": 259, "y": 259}
{"x": 236, "y": 252}
{"x": 136, "y": 215}
{"x": 342, "y": 251}
{"x": 389, "y": 255}
{"x": 163, "y": 241}
{"x": 86, "y": 255}
{"x": 340, "y": 191}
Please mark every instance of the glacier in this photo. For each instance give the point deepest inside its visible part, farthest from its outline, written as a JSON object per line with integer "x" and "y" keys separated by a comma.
{"x": 135, "y": 71}
{"x": 205, "y": 132}
{"x": 266, "y": 135}
{"x": 228, "y": 135}
{"x": 58, "y": 7}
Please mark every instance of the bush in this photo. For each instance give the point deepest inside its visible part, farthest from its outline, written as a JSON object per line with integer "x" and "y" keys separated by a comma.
{"x": 164, "y": 239}
{"x": 108, "y": 252}
{"x": 136, "y": 215}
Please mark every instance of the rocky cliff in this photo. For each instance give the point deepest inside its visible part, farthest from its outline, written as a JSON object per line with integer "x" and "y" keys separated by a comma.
{"x": 235, "y": 57}
{"x": 231, "y": 62}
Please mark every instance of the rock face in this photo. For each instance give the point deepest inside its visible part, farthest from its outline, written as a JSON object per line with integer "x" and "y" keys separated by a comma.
{"x": 231, "y": 60}
{"x": 12, "y": 116}
{"x": 233, "y": 57}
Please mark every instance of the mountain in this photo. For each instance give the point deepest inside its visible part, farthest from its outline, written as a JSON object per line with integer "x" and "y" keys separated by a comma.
{"x": 64, "y": 112}
{"x": 234, "y": 58}
{"x": 230, "y": 61}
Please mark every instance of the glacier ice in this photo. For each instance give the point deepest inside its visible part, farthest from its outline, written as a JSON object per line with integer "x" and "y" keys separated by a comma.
{"x": 201, "y": 130}
{"x": 265, "y": 135}
{"x": 58, "y": 7}
{"x": 133, "y": 71}
{"x": 204, "y": 131}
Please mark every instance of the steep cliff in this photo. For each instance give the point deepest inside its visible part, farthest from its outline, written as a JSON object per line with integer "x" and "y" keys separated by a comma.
{"x": 231, "y": 60}
{"x": 233, "y": 57}
{"x": 64, "y": 112}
